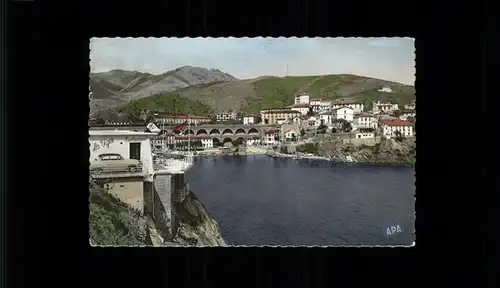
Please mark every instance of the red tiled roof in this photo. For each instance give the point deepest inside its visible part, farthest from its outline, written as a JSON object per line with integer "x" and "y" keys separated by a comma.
{"x": 282, "y": 111}
{"x": 270, "y": 132}
{"x": 347, "y": 102}
{"x": 276, "y": 109}
{"x": 394, "y": 122}
{"x": 343, "y": 107}
{"x": 363, "y": 115}
{"x": 408, "y": 111}
{"x": 192, "y": 137}
{"x": 301, "y": 106}
{"x": 186, "y": 117}
{"x": 254, "y": 115}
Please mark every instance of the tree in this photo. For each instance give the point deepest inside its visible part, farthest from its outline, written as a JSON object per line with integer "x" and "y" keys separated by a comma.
{"x": 302, "y": 132}
{"x": 367, "y": 105}
{"x": 346, "y": 126}
{"x": 294, "y": 138}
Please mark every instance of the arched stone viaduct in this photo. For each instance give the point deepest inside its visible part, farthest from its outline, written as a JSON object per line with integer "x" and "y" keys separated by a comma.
{"x": 224, "y": 133}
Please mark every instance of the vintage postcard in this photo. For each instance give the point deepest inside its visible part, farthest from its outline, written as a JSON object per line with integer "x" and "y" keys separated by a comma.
{"x": 252, "y": 142}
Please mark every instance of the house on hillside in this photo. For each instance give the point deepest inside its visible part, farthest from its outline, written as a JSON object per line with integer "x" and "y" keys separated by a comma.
{"x": 364, "y": 120}
{"x": 309, "y": 122}
{"x": 388, "y": 128}
{"x": 389, "y": 108}
{"x": 302, "y": 108}
{"x": 270, "y": 137}
{"x": 326, "y": 118}
{"x": 252, "y": 119}
{"x": 319, "y": 105}
{"x": 407, "y": 113}
{"x": 385, "y": 89}
{"x": 410, "y": 106}
{"x": 355, "y": 105}
{"x": 225, "y": 116}
{"x": 363, "y": 133}
{"x": 291, "y": 135}
{"x": 302, "y": 98}
{"x": 344, "y": 112}
{"x": 273, "y": 116}
{"x": 296, "y": 120}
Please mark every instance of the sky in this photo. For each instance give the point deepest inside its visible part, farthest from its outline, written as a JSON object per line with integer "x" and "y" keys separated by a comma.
{"x": 245, "y": 58}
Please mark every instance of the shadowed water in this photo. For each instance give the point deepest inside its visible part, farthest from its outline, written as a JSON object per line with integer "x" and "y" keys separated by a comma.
{"x": 259, "y": 200}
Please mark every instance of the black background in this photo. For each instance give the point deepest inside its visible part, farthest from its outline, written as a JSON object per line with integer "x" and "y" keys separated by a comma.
{"x": 47, "y": 149}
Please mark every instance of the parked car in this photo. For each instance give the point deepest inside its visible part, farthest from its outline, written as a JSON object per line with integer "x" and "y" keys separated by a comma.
{"x": 112, "y": 162}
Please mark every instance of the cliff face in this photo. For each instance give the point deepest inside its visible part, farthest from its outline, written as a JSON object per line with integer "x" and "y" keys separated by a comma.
{"x": 196, "y": 228}
{"x": 113, "y": 223}
{"x": 388, "y": 151}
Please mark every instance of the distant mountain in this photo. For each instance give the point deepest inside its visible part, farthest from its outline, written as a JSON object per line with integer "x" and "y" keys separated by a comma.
{"x": 118, "y": 87}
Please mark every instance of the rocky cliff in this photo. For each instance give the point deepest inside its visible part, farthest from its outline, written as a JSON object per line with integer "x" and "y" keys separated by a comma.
{"x": 113, "y": 223}
{"x": 388, "y": 151}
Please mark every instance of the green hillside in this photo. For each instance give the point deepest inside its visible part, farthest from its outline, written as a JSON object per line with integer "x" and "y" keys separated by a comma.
{"x": 269, "y": 92}
{"x": 168, "y": 103}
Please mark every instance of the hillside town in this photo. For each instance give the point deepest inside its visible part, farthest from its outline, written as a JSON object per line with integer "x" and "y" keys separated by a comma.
{"x": 306, "y": 118}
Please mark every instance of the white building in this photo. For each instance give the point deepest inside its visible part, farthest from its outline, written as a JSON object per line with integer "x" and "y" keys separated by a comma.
{"x": 315, "y": 102}
{"x": 302, "y": 108}
{"x": 345, "y": 112}
{"x": 128, "y": 144}
{"x": 253, "y": 141}
{"x": 178, "y": 119}
{"x": 365, "y": 120}
{"x": 410, "y": 106}
{"x": 364, "y": 133}
{"x": 252, "y": 119}
{"x": 266, "y": 110}
{"x": 291, "y": 134}
{"x": 379, "y": 107}
{"x": 326, "y": 118}
{"x": 270, "y": 137}
{"x": 224, "y": 116}
{"x": 388, "y": 128}
{"x": 385, "y": 89}
{"x": 309, "y": 121}
{"x": 319, "y": 105}
{"x": 407, "y": 113}
{"x": 296, "y": 120}
{"x": 282, "y": 121}
{"x": 302, "y": 98}
{"x": 172, "y": 139}
{"x": 356, "y": 105}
